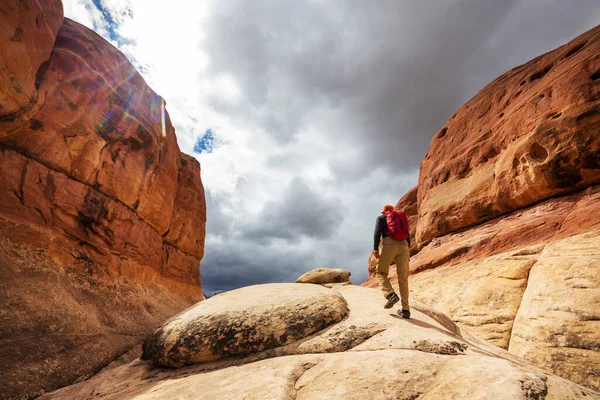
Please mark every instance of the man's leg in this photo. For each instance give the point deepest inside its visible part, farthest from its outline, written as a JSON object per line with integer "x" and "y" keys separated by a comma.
{"x": 383, "y": 268}
{"x": 402, "y": 268}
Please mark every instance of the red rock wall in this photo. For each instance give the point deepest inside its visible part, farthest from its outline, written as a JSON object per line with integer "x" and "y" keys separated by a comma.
{"x": 27, "y": 32}
{"x": 102, "y": 219}
{"x": 529, "y": 135}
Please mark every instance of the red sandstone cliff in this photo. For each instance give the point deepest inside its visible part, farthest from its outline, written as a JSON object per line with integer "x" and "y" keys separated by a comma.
{"x": 102, "y": 218}
{"x": 508, "y": 213}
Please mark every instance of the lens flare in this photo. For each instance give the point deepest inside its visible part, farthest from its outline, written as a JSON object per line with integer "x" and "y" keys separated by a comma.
{"x": 162, "y": 116}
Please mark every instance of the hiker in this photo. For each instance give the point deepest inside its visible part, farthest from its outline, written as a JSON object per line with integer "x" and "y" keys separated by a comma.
{"x": 392, "y": 225}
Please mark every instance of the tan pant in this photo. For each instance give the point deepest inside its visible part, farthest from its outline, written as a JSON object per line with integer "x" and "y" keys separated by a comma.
{"x": 394, "y": 250}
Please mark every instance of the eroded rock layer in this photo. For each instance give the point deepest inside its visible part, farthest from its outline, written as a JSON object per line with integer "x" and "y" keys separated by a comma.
{"x": 508, "y": 210}
{"x": 101, "y": 217}
{"x": 529, "y": 135}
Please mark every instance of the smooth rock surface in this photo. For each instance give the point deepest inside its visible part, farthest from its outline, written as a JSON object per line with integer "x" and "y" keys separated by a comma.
{"x": 244, "y": 321}
{"x": 558, "y": 323}
{"x": 325, "y": 275}
{"x": 482, "y": 295}
{"x": 372, "y": 354}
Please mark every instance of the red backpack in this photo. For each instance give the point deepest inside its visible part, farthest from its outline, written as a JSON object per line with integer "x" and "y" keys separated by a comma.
{"x": 397, "y": 225}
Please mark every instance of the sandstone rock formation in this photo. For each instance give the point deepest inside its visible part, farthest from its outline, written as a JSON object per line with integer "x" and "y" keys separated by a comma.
{"x": 244, "y": 321}
{"x": 508, "y": 213}
{"x": 372, "y": 354}
{"x": 529, "y": 135}
{"x": 27, "y": 32}
{"x": 325, "y": 275}
{"x": 101, "y": 217}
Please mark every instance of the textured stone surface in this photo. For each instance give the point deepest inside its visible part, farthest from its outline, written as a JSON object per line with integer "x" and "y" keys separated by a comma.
{"x": 529, "y": 135}
{"x": 483, "y": 295}
{"x": 558, "y": 323}
{"x": 372, "y": 354}
{"x": 27, "y": 34}
{"x": 244, "y": 321}
{"x": 187, "y": 228}
{"x": 479, "y": 278}
{"x": 325, "y": 275}
{"x": 537, "y": 225}
{"x": 98, "y": 122}
{"x": 101, "y": 217}
{"x": 64, "y": 315}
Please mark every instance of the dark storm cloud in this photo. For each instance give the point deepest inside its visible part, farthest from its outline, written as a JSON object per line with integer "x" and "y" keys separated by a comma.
{"x": 375, "y": 79}
{"x": 239, "y": 262}
{"x": 229, "y": 267}
{"x": 394, "y": 71}
{"x": 299, "y": 212}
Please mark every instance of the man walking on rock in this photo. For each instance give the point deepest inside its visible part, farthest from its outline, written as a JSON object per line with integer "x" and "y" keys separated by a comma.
{"x": 392, "y": 225}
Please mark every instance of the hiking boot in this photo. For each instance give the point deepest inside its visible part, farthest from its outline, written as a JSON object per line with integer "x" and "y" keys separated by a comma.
{"x": 392, "y": 299}
{"x": 404, "y": 313}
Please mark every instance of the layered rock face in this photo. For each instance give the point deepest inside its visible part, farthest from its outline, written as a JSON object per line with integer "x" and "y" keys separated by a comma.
{"x": 370, "y": 354}
{"x": 529, "y": 135}
{"x": 508, "y": 222}
{"x": 101, "y": 217}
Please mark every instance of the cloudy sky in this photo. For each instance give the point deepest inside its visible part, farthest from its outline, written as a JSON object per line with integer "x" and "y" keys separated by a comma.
{"x": 308, "y": 116}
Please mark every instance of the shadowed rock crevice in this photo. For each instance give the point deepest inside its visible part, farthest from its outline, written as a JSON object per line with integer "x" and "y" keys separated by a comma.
{"x": 512, "y": 325}
{"x": 297, "y": 376}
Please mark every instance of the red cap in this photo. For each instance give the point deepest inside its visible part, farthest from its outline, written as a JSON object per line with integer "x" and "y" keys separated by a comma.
{"x": 387, "y": 208}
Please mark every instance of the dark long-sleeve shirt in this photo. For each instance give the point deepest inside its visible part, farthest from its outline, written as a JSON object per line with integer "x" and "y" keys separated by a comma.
{"x": 381, "y": 231}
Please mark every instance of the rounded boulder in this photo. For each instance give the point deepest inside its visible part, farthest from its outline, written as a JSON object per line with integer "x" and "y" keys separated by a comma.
{"x": 244, "y": 321}
{"x": 325, "y": 275}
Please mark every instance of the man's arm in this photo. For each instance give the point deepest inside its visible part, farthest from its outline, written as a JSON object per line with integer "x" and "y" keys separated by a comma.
{"x": 377, "y": 234}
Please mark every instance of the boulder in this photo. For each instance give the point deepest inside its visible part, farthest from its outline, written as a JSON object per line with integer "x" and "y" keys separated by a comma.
{"x": 244, "y": 321}
{"x": 325, "y": 275}
{"x": 371, "y": 354}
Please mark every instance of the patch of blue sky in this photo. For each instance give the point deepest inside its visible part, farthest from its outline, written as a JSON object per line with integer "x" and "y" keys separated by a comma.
{"x": 112, "y": 25}
{"x": 205, "y": 143}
